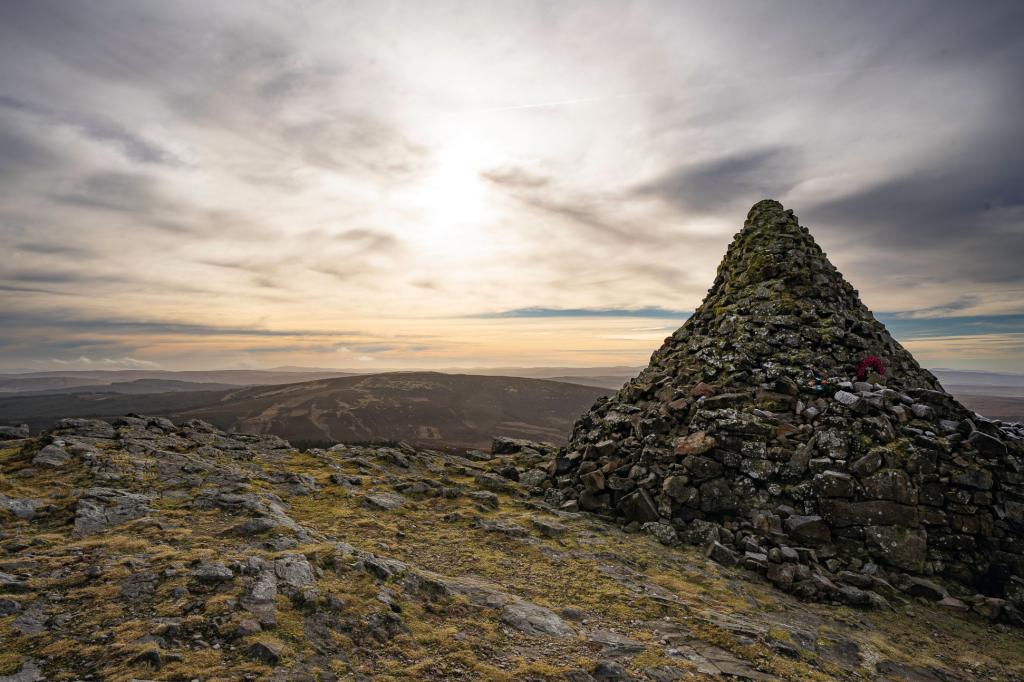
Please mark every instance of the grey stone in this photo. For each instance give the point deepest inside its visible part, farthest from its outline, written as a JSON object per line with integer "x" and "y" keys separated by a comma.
{"x": 615, "y": 645}
{"x": 868, "y": 464}
{"x": 852, "y": 402}
{"x": 664, "y": 534}
{"x": 8, "y": 607}
{"x": 722, "y": 554}
{"x": 15, "y": 432}
{"x": 701, "y": 532}
{"x": 891, "y": 484}
{"x": 717, "y": 497}
{"x": 808, "y": 529}
{"x": 639, "y": 506}
{"x": 610, "y": 671}
{"x": 535, "y": 620}
{"x": 212, "y": 572}
{"x": 32, "y": 620}
{"x": 265, "y": 651}
{"x": 485, "y": 498}
{"x": 666, "y": 673}
{"x": 973, "y": 477}
{"x": 902, "y": 547}
{"x": 139, "y": 586}
{"x": 51, "y": 456}
{"x": 493, "y": 481}
{"x": 881, "y": 513}
{"x": 549, "y": 528}
{"x": 986, "y": 444}
{"x": 93, "y": 428}
{"x": 294, "y": 571}
{"x": 782, "y": 575}
{"x": 509, "y": 528}
{"x": 385, "y": 501}
{"x": 845, "y": 653}
{"x": 95, "y": 511}
{"x": 533, "y": 478}
{"x": 22, "y": 508}
{"x": 259, "y": 600}
{"x": 247, "y": 627}
{"x": 30, "y": 671}
{"x": 833, "y": 484}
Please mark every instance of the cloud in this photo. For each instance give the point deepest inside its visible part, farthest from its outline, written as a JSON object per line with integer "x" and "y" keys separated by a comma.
{"x": 120, "y": 363}
{"x": 132, "y": 146}
{"x": 365, "y": 358}
{"x": 342, "y": 349}
{"x": 733, "y": 180}
{"x": 244, "y": 361}
{"x": 585, "y": 312}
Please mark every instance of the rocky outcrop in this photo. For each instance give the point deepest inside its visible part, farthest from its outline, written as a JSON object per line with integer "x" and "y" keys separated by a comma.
{"x": 750, "y": 417}
{"x": 14, "y": 432}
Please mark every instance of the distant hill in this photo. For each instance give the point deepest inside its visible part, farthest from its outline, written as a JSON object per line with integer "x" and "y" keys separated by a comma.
{"x": 422, "y": 408}
{"x": 425, "y": 408}
{"x": 71, "y": 379}
{"x": 137, "y": 387}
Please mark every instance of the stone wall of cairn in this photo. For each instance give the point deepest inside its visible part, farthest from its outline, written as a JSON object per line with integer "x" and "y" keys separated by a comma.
{"x": 722, "y": 442}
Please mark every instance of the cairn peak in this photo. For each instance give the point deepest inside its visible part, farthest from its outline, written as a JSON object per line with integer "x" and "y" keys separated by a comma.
{"x": 783, "y": 416}
{"x": 776, "y": 285}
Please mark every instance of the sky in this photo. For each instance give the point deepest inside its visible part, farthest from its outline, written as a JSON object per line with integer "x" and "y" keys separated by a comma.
{"x": 197, "y": 185}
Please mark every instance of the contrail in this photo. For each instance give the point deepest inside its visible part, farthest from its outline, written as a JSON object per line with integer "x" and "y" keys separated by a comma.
{"x": 551, "y": 104}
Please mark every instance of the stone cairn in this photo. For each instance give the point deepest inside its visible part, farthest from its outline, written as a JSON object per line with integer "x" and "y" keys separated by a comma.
{"x": 725, "y": 440}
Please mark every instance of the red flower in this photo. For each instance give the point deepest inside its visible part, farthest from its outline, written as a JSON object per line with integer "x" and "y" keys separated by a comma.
{"x": 868, "y": 365}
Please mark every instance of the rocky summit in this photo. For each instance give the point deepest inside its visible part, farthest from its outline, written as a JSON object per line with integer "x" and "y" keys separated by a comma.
{"x": 147, "y": 550}
{"x": 751, "y": 433}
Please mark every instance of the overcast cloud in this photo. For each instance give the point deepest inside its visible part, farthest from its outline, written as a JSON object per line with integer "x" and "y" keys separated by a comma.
{"x": 199, "y": 185}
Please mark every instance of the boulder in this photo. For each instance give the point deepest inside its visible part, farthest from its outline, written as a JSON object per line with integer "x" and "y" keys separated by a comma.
{"x": 986, "y": 444}
{"x": 15, "y": 432}
{"x": 639, "y": 506}
{"x": 891, "y": 484}
{"x": 214, "y": 572}
{"x": 100, "y": 508}
{"x": 902, "y": 547}
{"x": 808, "y": 530}
{"x": 951, "y": 604}
{"x": 51, "y": 456}
{"x": 722, "y": 554}
{"x": 842, "y": 514}
{"x": 664, "y": 534}
{"x": 268, "y": 652}
{"x": 717, "y": 497}
{"x": 533, "y": 478}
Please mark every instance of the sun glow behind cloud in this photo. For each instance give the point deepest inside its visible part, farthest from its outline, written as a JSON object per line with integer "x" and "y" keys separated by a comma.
{"x": 483, "y": 184}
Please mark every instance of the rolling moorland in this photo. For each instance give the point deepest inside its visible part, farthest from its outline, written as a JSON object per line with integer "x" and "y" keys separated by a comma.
{"x": 428, "y": 408}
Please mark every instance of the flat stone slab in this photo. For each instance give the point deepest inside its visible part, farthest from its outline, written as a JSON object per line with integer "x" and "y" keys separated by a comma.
{"x": 615, "y": 645}
{"x": 386, "y": 501}
{"x": 535, "y": 620}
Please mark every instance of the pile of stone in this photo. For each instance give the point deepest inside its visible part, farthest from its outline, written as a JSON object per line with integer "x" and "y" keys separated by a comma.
{"x": 727, "y": 426}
